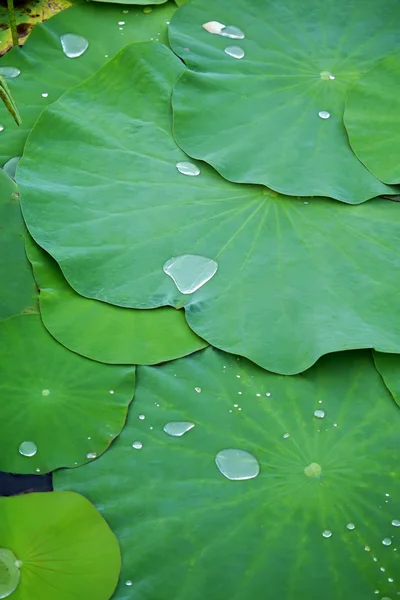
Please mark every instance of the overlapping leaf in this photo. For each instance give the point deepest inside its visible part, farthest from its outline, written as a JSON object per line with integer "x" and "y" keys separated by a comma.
{"x": 296, "y": 279}
{"x": 256, "y": 119}
{"x": 58, "y": 408}
{"x": 187, "y": 532}
{"x": 56, "y": 545}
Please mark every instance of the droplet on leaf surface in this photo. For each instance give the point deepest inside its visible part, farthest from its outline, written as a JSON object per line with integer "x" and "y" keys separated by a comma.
{"x": 324, "y": 114}
{"x": 313, "y": 470}
{"x": 213, "y": 27}
{"x": 236, "y": 464}
{"x": 350, "y": 526}
{"x": 9, "y": 572}
{"x": 190, "y": 271}
{"x": 235, "y": 52}
{"x": 387, "y": 542}
{"x": 320, "y": 414}
{"x": 73, "y": 45}
{"x": 327, "y": 533}
{"x": 232, "y": 32}
{"x": 187, "y": 168}
{"x": 137, "y": 445}
{"x": 28, "y": 449}
{"x": 396, "y": 523}
{"x": 9, "y": 72}
{"x": 178, "y": 428}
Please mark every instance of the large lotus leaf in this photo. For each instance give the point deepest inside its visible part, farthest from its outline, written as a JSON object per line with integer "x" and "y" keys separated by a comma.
{"x": 57, "y": 408}
{"x": 388, "y": 366}
{"x": 17, "y": 288}
{"x": 188, "y": 532}
{"x": 372, "y": 119}
{"x": 105, "y": 332}
{"x": 258, "y": 119}
{"x": 295, "y": 280}
{"x": 56, "y": 546}
{"x": 46, "y": 72}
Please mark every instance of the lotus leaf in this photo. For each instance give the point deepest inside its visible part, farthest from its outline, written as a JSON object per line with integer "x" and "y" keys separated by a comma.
{"x": 388, "y": 366}
{"x": 17, "y": 288}
{"x": 46, "y": 72}
{"x": 296, "y": 278}
{"x": 310, "y": 525}
{"x": 372, "y": 119}
{"x": 275, "y": 116}
{"x": 104, "y": 332}
{"x": 56, "y": 546}
{"x": 58, "y": 408}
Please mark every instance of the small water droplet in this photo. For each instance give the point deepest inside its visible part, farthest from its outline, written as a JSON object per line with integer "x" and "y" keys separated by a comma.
{"x": 268, "y": 394}
{"x": 350, "y": 526}
{"x": 128, "y": 583}
{"x": 190, "y": 271}
{"x": 73, "y": 45}
{"x": 320, "y": 414}
{"x": 147, "y": 10}
{"x": 11, "y": 166}
{"x": 45, "y": 392}
{"x": 238, "y": 376}
{"x": 111, "y": 391}
{"x": 313, "y": 470}
{"x": 327, "y": 533}
{"x": 198, "y": 389}
{"x": 335, "y": 425}
{"x": 137, "y": 445}
{"x": 396, "y": 523}
{"x": 390, "y": 579}
{"x": 286, "y": 435}
{"x": 121, "y": 22}
{"x": 27, "y": 448}
{"x": 232, "y": 32}
{"x": 258, "y": 395}
{"x": 383, "y": 569}
{"x": 387, "y": 495}
{"x": 213, "y": 27}
{"x": 240, "y": 393}
{"x": 187, "y": 168}
{"x": 142, "y": 417}
{"x": 374, "y": 559}
{"x": 91, "y": 455}
{"x": 9, "y": 72}
{"x": 326, "y": 75}
{"x": 178, "y": 428}
{"x": 37, "y": 470}
{"x": 386, "y": 598}
{"x": 1, "y": 127}
{"x": 367, "y": 549}
{"x": 125, "y": 12}
{"x": 324, "y": 114}
{"x": 45, "y": 95}
{"x": 386, "y": 541}
{"x": 237, "y": 465}
{"x": 235, "y": 52}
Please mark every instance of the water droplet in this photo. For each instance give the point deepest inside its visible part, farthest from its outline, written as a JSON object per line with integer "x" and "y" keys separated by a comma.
{"x": 350, "y": 526}
{"x": 197, "y": 389}
{"x": 387, "y": 495}
{"x": 1, "y": 127}
{"x": 73, "y": 45}
{"x": 386, "y": 541}
{"x": 367, "y": 549}
{"x": 326, "y": 75}
{"x": 125, "y": 12}
{"x": 37, "y": 470}
{"x": 383, "y": 569}
{"x": 27, "y": 448}
{"x": 313, "y": 470}
{"x": 324, "y": 114}
{"x": 327, "y": 533}
{"x": 258, "y": 395}
{"x": 91, "y": 455}
{"x": 121, "y": 22}
{"x": 386, "y": 598}
{"x": 236, "y": 464}
{"x": 10, "y": 574}
{"x": 128, "y": 583}
{"x": 147, "y": 10}
{"x": 11, "y": 166}
{"x": 335, "y": 425}
{"x": 238, "y": 376}
{"x": 390, "y": 579}
{"x": 232, "y": 32}
{"x": 142, "y": 417}
{"x": 190, "y": 271}
{"x": 268, "y": 394}
{"x": 45, "y": 392}
{"x": 137, "y": 445}
{"x": 320, "y": 414}
{"x": 286, "y": 435}
{"x": 213, "y": 27}
{"x": 111, "y": 391}
{"x": 9, "y": 72}
{"x": 45, "y": 95}
{"x": 235, "y": 52}
{"x": 396, "y": 523}
{"x": 187, "y": 168}
{"x": 178, "y": 428}
{"x": 240, "y": 393}
{"x": 374, "y": 559}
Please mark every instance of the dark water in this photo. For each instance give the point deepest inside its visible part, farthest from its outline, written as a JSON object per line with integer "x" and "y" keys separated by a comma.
{"x": 11, "y": 485}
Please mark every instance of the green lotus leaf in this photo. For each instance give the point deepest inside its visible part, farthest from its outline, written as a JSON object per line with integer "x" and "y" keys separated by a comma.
{"x": 17, "y": 288}
{"x": 296, "y": 278}
{"x": 104, "y": 332}
{"x": 372, "y": 119}
{"x": 58, "y": 408}
{"x": 187, "y": 531}
{"x": 46, "y": 72}
{"x": 56, "y": 545}
{"x": 274, "y": 117}
{"x": 388, "y": 366}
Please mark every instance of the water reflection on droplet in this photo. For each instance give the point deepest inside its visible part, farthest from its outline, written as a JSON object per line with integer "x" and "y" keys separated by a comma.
{"x": 178, "y": 428}
{"x": 73, "y": 45}
{"x": 320, "y": 414}
{"x": 232, "y": 32}
{"x": 235, "y": 52}
{"x": 396, "y": 523}
{"x": 350, "y": 526}
{"x": 190, "y": 271}
{"x": 187, "y": 168}
{"x": 313, "y": 470}
{"x": 10, "y": 573}
{"x": 9, "y": 72}
{"x": 91, "y": 455}
{"x": 11, "y": 166}
{"x": 27, "y": 448}
{"x": 327, "y": 533}
{"x": 237, "y": 465}
{"x": 324, "y": 114}
{"x": 386, "y": 541}
{"x": 137, "y": 445}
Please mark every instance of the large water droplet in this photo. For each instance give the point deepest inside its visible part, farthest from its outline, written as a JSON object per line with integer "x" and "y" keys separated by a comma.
{"x": 313, "y": 470}
{"x": 327, "y": 533}
{"x": 396, "y": 523}
{"x": 324, "y": 114}
{"x": 9, "y": 73}
{"x": 73, "y": 45}
{"x": 350, "y": 526}
{"x": 11, "y": 166}
{"x": 232, "y": 32}
{"x": 190, "y": 271}
{"x": 235, "y": 52}
{"x": 236, "y": 464}
{"x": 213, "y": 27}
{"x": 187, "y": 168}
{"x": 9, "y": 572}
{"x": 320, "y": 414}
{"x": 178, "y": 428}
{"x": 27, "y": 448}
{"x": 387, "y": 542}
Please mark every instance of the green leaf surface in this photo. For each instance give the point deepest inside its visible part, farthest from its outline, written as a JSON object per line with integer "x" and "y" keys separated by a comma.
{"x": 388, "y": 366}
{"x": 17, "y": 288}
{"x": 65, "y": 546}
{"x": 104, "y": 332}
{"x": 296, "y": 279}
{"x": 256, "y": 119}
{"x": 372, "y": 119}
{"x": 187, "y": 532}
{"x": 64, "y": 409}
{"x": 46, "y": 70}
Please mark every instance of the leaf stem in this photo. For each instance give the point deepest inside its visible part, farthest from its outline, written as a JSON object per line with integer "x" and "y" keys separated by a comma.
{"x": 13, "y": 23}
